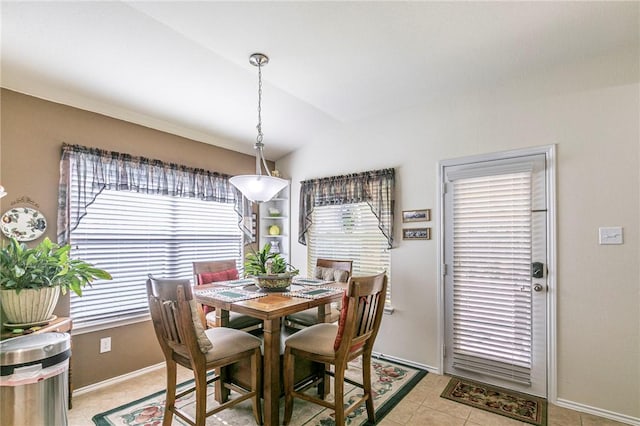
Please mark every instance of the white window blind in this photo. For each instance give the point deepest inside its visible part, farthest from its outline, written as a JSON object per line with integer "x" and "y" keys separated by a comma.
{"x": 131, "y": 235}
{"x": 492, "y": 275}
{"x": 349, "y": 232}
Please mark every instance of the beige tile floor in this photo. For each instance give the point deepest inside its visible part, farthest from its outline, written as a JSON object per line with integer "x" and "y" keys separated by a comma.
{"x": 421, "y": 407}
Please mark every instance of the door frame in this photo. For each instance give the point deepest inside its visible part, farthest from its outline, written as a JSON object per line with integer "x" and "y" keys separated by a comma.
{"x": 550, "y": 155}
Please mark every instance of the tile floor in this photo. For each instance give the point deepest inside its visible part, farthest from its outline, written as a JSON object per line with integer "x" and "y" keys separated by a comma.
{"x": 421, "y": 407}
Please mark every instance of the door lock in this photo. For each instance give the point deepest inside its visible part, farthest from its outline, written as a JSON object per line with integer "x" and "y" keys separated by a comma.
{"x": 537, "y": 270}
{"x": 537, "y": 287}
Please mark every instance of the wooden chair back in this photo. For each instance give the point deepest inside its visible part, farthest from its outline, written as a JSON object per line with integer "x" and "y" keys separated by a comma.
{"x": 171, "y": 316}
{"x": 207, "y": 266}
{"x": 361, "y": 322}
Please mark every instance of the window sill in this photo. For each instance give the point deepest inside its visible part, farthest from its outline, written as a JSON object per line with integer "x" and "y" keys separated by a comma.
{"x": 105, "y": 325}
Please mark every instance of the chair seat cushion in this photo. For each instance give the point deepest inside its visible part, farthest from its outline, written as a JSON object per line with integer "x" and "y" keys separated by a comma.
{"x": 229, "y": 341}
{"x": 309, "y": 317}
{"x": 236, "y": 320}
{"x": 317, "y": 339}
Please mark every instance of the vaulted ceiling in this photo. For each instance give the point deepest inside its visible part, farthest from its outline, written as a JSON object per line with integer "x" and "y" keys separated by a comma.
{"x": 183, "y": 67}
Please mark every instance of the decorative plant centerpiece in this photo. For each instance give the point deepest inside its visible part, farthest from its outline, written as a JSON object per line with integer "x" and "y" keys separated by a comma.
{"x": 271, "y": 271}
{"x": 31, "y": 279}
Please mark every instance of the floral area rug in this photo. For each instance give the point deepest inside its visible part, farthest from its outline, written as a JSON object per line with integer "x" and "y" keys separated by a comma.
{"x": 391, "y": 381}
{"x": 518, "y": 406}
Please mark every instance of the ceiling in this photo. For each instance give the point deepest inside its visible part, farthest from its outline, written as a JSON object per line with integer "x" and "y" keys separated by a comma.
{"x": 182, "y": 67}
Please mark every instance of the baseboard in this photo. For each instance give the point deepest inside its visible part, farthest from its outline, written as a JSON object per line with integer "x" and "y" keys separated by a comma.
{"x": 622, "y": 418}
{"x": 117, "y": 379}
{"x": 406, "y": 361}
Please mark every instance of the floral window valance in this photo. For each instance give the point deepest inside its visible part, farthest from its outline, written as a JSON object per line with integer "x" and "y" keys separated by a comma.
{"x": 91, "y": 170}
{"x": 376, "y": 188}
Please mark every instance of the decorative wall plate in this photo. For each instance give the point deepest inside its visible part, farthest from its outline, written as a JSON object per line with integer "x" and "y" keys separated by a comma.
{"x": 23, "y": 223}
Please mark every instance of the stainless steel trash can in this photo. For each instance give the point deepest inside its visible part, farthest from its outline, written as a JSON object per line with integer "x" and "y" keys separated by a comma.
{"x": 33, "y": 380}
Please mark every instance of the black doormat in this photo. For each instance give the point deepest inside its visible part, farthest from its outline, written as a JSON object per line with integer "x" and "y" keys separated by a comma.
{"x": 516, "y": 405}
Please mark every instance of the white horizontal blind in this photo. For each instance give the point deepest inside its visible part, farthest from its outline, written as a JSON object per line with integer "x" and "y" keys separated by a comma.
{"x": 131, "y": 235}
{"x": 492, "y": 275}
{"x": 349, "y": 232}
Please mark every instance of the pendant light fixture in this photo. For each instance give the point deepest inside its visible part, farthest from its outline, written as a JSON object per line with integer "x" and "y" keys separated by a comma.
{"x": 259, "y": 187}
{"x": 2, "y": 191}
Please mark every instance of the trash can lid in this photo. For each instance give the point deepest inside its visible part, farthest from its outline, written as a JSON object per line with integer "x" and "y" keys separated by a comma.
{"x": 33, "y": 347}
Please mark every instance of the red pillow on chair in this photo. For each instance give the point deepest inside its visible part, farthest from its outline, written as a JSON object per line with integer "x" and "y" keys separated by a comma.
{"x": 342, "y": 321}
{"x": 232, "y": 274}
{"x": 341, "y": 324}
{"x": 210, "y": 277}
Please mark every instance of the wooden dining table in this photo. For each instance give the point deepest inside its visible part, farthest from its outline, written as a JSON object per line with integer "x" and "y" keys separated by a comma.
{"x": 271, "y": 308}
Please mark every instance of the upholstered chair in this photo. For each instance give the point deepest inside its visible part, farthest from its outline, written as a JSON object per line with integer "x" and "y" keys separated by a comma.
{"x": 179, "y": 325}
{"x": 211, "y": 271}
{"x": 329, "y": 270}
{"x": 337, "y": 344}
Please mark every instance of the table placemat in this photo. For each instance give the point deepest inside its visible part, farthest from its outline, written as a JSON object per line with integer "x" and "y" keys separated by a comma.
{"x": 228, "y": 295}
{"x": 310, "y": 281}
{"x": 236, "y": 283}
{"x": 316, "y": 292}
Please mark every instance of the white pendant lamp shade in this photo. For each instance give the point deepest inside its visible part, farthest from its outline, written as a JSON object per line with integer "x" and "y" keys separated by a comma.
{"x": 2, "y": 191}
{"x": 258, "y": 188}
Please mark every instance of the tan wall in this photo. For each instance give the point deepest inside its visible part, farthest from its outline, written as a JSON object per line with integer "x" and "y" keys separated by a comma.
{"x": 32, "y": 134}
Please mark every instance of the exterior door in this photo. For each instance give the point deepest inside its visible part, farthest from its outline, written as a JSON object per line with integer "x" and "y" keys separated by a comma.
{"x": 495, "y": 280}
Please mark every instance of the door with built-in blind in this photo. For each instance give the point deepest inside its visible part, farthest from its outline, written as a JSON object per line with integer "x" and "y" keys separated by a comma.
{"x": 495, "y": 271}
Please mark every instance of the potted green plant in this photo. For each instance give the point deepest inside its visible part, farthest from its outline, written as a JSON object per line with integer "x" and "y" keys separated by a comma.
{"x": 271, "y": 270}
{"x": 31, "y": 279}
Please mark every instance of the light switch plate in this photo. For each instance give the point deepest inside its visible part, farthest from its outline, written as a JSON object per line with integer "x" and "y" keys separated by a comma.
{"x": 610, "y": 235}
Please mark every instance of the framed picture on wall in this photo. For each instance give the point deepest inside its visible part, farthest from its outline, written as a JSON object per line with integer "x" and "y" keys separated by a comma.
{"x": 423, "y": 215}
{"x": 416, "y": 234}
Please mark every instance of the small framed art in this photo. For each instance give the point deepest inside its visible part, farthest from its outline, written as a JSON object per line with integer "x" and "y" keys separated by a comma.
{"x": 416, "y": 234}
{"x": 423, "y": 215}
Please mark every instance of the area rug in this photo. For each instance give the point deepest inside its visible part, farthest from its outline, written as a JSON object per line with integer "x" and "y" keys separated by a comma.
{"x": 518, "y": 406}
{"x": 391, "y": 381}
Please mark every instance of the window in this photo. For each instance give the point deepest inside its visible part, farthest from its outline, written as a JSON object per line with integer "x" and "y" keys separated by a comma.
{"x": 350, "y": 217}
{"x": 133, "y": 216}
{"x": 351, "y": 232}
{"x": 133, "y": 234}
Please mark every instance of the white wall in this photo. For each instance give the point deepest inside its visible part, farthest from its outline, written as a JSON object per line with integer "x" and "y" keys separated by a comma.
{"x": 592, "y": 113}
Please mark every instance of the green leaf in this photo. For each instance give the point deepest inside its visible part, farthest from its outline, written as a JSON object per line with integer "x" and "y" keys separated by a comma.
{"x": 45, "y": 265}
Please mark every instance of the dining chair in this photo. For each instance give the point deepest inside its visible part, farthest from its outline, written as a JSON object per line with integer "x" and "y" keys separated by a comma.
{"x": 337, "y": 344}
{"x": 329, "y": 270}
{"x": 179, "y": 325}
{"x": 210, "y": 271}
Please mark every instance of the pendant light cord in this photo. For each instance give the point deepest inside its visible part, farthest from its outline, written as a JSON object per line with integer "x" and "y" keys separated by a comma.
{"x": 259, "y": 126}
{"x": 259, "y": 143}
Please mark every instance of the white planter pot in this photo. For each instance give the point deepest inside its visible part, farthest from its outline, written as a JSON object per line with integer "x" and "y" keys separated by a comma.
{"x": 29, "y": 306}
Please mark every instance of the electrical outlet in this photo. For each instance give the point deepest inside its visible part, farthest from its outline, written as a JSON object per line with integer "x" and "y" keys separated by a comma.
{"x": 105, "y": 344}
